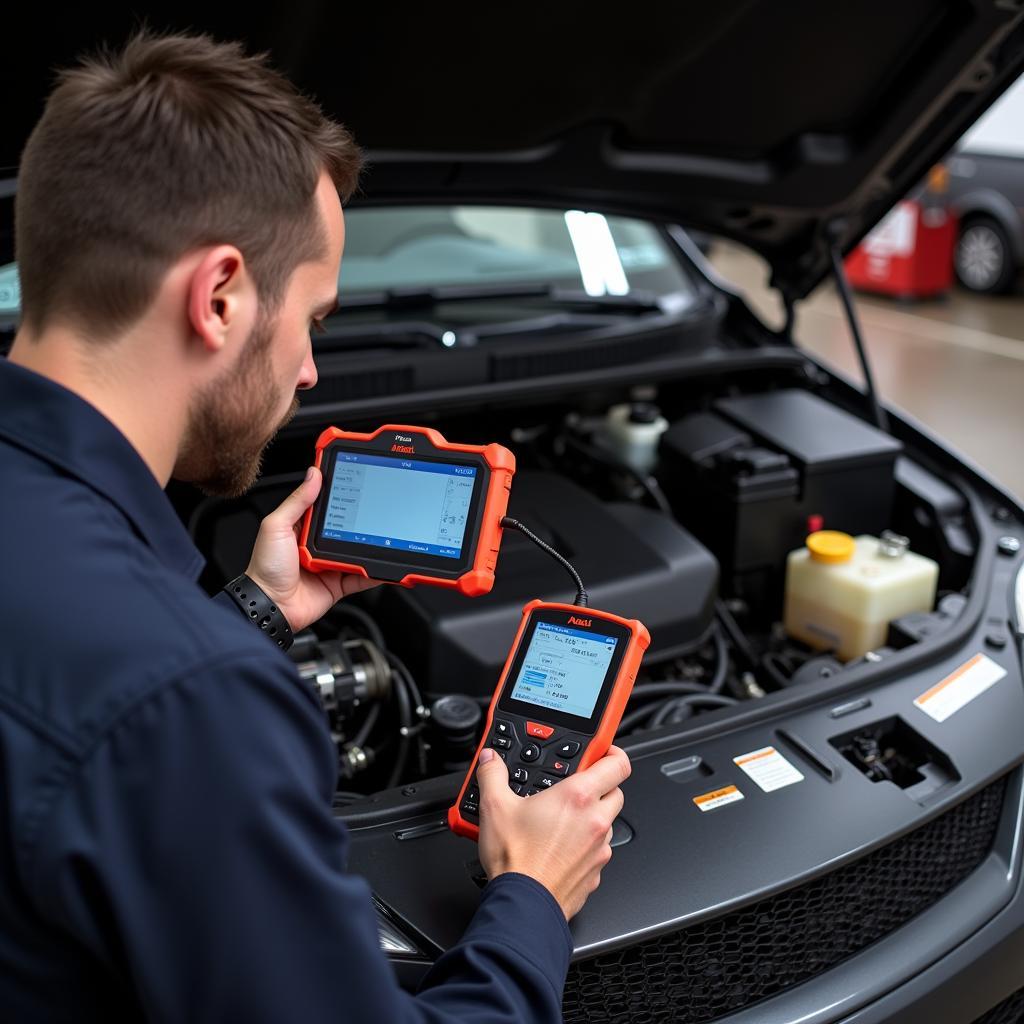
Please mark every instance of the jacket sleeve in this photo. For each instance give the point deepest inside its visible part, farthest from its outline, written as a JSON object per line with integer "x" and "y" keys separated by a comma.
{"x": 194, "y": 852}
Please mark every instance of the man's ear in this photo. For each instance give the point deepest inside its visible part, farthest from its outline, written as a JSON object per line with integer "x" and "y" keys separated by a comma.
{"x": 220, "y": 292}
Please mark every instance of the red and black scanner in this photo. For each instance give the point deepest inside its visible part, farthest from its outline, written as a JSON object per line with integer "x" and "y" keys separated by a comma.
{"x": 406, "y": 506}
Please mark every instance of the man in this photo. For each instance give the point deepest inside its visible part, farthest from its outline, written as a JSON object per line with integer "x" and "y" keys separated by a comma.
{"x": 167, "y": 849}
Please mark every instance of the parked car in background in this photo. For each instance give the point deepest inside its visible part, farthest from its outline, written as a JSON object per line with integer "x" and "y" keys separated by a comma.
{"x": 986, "y": 190}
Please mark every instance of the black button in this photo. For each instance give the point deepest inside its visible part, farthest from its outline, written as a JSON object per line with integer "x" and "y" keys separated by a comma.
{"x": 570, "y": 749}
{"x": 557, "y": 768}
{"x": 546, "y": 783}
{"x": 517, "y": 789}
{"x": 470, "y": 807}
{"x": 530, "y": 752}
{"x": 501, "y": 742}
{"x": 533, "y": 792}
{"x": 520, "y": 775}
{"x": 502, "y": 729}
{"x": 472, "y": 794}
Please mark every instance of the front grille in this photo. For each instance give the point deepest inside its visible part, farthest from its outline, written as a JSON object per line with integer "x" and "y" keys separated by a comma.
{"x": 712, "y": 969}
{"x": 1009, "y": 1011}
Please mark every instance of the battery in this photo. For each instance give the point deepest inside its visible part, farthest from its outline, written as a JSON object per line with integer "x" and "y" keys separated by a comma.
{"x": 746, "y": 475}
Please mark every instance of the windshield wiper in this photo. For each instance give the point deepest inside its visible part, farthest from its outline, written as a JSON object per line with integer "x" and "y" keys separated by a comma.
{"x": 427, "y": 298}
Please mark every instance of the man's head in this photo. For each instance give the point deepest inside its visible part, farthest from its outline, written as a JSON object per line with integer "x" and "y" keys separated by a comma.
{"x": 183, "y": 167}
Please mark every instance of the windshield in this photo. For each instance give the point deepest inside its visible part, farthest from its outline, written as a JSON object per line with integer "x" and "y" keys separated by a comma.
{"x": 431, "y": 246}
{"x": 489, "y": 246}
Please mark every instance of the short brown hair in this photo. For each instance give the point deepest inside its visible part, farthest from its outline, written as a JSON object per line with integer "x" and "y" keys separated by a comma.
{"x": 173, "y": 143}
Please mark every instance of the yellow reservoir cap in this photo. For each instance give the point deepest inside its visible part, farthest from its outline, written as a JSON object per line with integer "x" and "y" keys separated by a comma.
{"x": 831, "y": 546}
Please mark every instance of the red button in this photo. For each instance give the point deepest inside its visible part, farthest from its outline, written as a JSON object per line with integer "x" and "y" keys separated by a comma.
{"x": 558, "y": 768}
{"x": 542, "y": 732}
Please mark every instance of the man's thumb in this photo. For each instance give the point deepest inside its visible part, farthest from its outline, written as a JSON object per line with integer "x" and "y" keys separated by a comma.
{"x": 491, "y": 772}
{"x": 292, "y": 509}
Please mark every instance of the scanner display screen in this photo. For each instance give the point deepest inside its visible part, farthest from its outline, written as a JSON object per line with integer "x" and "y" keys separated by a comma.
{"x": 564, "y": 669}
{"x": 399, "y": 504}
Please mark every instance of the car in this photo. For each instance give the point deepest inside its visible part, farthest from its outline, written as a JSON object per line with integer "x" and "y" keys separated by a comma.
{"x": 804, "y": 838}
{"x": 986, "y": 190}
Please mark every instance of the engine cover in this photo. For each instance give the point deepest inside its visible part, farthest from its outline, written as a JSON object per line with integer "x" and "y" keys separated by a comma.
{"x": 635, "y": 562}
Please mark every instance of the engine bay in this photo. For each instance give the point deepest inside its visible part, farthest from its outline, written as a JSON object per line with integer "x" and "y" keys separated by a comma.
{"x": 680, "y": 515}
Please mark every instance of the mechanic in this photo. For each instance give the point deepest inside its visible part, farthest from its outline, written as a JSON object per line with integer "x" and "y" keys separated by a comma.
{"x": 168, "y": 850}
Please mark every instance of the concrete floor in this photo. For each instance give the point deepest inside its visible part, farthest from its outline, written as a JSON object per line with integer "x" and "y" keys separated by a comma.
{"x": 955, "y": 364}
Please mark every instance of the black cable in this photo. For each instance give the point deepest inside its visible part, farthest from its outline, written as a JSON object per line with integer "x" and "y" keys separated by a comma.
{"x": 508, "y": 523}
{"x": 371, "y": 627}
{"x": 360, "y": 738}
{"x": 881, "y": 421}
{"x": 769, "y": 665}
{"x": 735, "y": 634}
{"x": 649, "y": 690}
{"x": 661, "y": 713}
{"x": 690, "y": 704}
{"x": 399, "y": 666}
{"x": 717, "y": 683}
{"x": 405, "y": 727}
{"x": 669, "y": 688}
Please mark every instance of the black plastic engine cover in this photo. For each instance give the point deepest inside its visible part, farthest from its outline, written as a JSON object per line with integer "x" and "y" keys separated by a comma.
{"x": 635, "y": 561}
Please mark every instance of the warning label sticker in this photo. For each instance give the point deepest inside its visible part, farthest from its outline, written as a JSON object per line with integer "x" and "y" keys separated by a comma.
{"x": 768, "y": 768}
{"x": 718, "y": 798}
{"x": 970, "y": 680}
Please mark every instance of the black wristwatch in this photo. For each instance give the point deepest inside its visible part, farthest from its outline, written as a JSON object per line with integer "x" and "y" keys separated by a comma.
{"x": 264, "y": 613}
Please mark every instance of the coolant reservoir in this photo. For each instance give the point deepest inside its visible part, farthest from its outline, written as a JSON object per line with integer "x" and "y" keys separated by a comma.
{"x": 632, "y": 431}
{"x": 842, "y": 592}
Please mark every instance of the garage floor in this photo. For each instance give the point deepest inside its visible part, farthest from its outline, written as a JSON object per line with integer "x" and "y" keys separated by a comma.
{"x": 955, "y": 364}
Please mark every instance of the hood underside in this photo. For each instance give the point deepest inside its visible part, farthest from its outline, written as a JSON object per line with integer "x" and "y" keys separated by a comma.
{"x": 789, "y": 127}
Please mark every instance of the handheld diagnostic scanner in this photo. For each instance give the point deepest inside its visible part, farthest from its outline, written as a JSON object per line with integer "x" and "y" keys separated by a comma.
{"x": 558, "y": 702}
{"x": 406, "y": 506}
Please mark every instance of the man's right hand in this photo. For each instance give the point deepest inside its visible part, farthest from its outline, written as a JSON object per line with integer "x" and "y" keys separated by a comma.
{"x": 559, "y": 837}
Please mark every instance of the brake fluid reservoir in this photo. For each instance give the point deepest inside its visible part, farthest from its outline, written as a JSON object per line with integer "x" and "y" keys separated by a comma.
{"x": 632, "y": 431}
{"x": 842, "y": 592}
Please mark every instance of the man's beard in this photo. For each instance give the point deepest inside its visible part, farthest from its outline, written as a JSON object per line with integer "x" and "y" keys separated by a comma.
{"x": 227, "y": 430}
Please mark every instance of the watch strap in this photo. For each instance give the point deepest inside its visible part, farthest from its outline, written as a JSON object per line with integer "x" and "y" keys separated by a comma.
{"x": 257, "y": 607}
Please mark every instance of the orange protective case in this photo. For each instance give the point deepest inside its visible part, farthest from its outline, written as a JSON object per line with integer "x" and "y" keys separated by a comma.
{"x": 639, "y": 641}
{"x": 479, "y": 578}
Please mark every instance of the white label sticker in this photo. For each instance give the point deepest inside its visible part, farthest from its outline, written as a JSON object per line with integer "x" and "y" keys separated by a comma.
{"x": 970, "y": 680}
{"x": 718, "y": 798}
{"x": 768, "y": 768}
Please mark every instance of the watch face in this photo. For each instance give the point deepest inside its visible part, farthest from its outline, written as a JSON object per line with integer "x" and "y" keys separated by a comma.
{"x": 565, "y": 668}
{"x": 420, "y": 511}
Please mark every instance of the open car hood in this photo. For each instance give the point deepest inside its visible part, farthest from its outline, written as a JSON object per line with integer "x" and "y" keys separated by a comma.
{"x": 788, "y": 127}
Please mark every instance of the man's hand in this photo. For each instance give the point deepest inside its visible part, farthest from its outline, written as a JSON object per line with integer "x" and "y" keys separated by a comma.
{"x": 559, "y": 837}
{"x": 302, "y": 596}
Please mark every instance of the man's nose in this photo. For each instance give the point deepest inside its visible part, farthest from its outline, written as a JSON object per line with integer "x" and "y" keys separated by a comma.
{"x": 307, "y": 374}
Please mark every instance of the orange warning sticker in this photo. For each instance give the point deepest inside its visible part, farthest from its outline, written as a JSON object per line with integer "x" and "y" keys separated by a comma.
{"x": 970, "y": 680}
{"x": 718, "y": 798}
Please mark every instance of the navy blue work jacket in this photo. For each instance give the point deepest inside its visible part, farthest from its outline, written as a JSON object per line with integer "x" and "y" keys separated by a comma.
{"x": 167, "y": 848}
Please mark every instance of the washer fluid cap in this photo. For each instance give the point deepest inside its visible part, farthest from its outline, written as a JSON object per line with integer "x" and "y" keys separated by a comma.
{"x": 831, "y": 546}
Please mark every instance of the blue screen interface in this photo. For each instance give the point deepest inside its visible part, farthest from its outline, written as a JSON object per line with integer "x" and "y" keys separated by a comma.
{"x": 399, "y": 504}
{"x": 564, "y": 669}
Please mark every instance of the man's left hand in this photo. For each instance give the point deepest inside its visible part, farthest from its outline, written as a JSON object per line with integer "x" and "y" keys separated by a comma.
{"x": 302, "y": 596}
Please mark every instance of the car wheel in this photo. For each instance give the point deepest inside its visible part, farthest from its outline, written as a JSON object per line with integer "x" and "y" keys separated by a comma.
{"x": 983, "y": 261}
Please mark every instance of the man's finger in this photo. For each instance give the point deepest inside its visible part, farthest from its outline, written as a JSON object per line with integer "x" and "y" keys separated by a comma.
{"x": 607, "y": 774}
